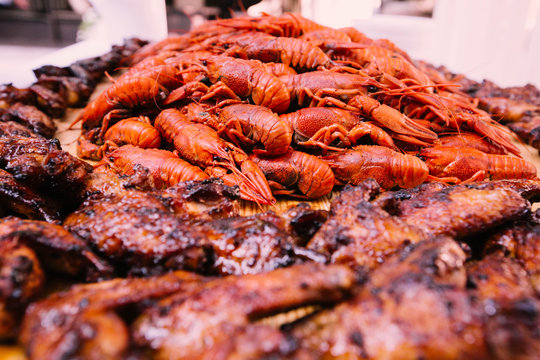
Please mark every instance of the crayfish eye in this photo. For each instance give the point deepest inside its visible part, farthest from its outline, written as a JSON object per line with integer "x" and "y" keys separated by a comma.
{"x": 204, "y": 62}
{"x": 206, "y": 81}
{"x": 372, "y": 88}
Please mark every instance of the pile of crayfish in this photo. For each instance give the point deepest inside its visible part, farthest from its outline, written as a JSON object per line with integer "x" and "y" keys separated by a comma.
{"x": 286, "y": 106}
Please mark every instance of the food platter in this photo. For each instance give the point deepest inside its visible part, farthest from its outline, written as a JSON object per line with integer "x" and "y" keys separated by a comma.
{"x": 181, "y": 251}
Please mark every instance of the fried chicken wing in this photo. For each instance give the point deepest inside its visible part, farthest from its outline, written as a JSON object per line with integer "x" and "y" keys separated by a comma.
{"x": 82, "y": 322}
{"x": 413, "y": 307}
{"x": 21, "y": 279}
{"x": 361, "y": 234}
{"x": 217, "y": 321}
{"x": 21, "y": 200}
{"x": 57, "y": 249}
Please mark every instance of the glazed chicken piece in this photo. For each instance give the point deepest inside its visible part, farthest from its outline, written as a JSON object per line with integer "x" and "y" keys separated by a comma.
{"x": 30, "y": 117}
{"x": 520, "y": 240}
{"x": 138, "y": 229}
{"x": 146, "y": 230}
{"x": 460, "y": 210}
{"x": 202, "y": 200}
{"x": 413, "y": 307}
{"x": 218, "y": 320}
{"x": 57, "y": 249}
{"x": 361, "y": 234}
{"x": 499, "y": 278}
{"x": 18, "y": 199}
{"x": 21, "y": 279}
{"x": 42, "y": 165}
{"x": 512, "y": 324}
{"x": 83, "y": 323}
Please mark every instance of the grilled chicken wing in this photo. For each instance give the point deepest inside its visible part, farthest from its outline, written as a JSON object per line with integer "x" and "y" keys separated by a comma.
{"x": 217, "y": 321}
{"x": 30, "y": 117}
{"x": 21, "y": 279}
{"x": 359, "y": 233}
{"x": 520, "y": 240}
{"x": 413, "y": 307}
{"x": 57, "y": 249}
{"x": 42, "y": 165}
{"x": 21, "y": 200}
{"x": 82, "y": 322}
{"x": 146, "y": 230}
{"x": 460, "y": 210}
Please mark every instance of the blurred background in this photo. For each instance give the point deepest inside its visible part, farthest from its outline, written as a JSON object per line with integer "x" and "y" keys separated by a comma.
{"x": 484, "y": 39}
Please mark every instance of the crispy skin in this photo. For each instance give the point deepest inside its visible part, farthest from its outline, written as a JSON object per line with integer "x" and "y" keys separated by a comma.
{"x": 21, "y": 279}
{"x": 460, "y": 210}
{"x": 21, "y": 200}
{"x": 361, "y": 234}
{"x": 136, "y": 228}
{"x": 81, "y": 322}
{"x": 249, "y": 245}
{"x": 32, "y": 118}
{"x": 146, "y": 230}
{"x": 42, "y": 165}
{"x": 216, "y": 322}
{"x": 57, "y": 249}
{"x": 413, "y": 307}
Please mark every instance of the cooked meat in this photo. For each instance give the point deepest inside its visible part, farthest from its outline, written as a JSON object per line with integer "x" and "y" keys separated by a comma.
{"x": 359, "y": 233}
{"x": 51, "y": 103}
{"x": 499, "y": 278}
{"x": 82, "y": 323}
{"x": 202, "y": 200}
{"x": 32, "y": 118}
{"x": 73, "y": 90}
{"x": 136, "y": 228}
{"x": 12, "y": 128}
{"x": 460, "y": 210}
{"x": 528, "y": 130}
{"x": 42, "y": 165}
{"x": 528, "y": 93}
{"x": 140, "y": 230}
{"x": 413, "y": 307}
{"x": 249, "y": 245}
{"x": 57, "y": 249}
{"x": 10, "y": 94}
{"x": 21, "y": 279}
{"x": 520, "y": 240}
{"x": 302, "y": 222}
{"x": 21, "y": 200}
{"x": 217, "y": 320}
{"x": 508, "y": 110}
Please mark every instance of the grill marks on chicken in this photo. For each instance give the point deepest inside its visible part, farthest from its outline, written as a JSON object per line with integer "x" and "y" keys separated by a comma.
{"x": 217, "y": 320}
{"x": 145, "y": 230}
